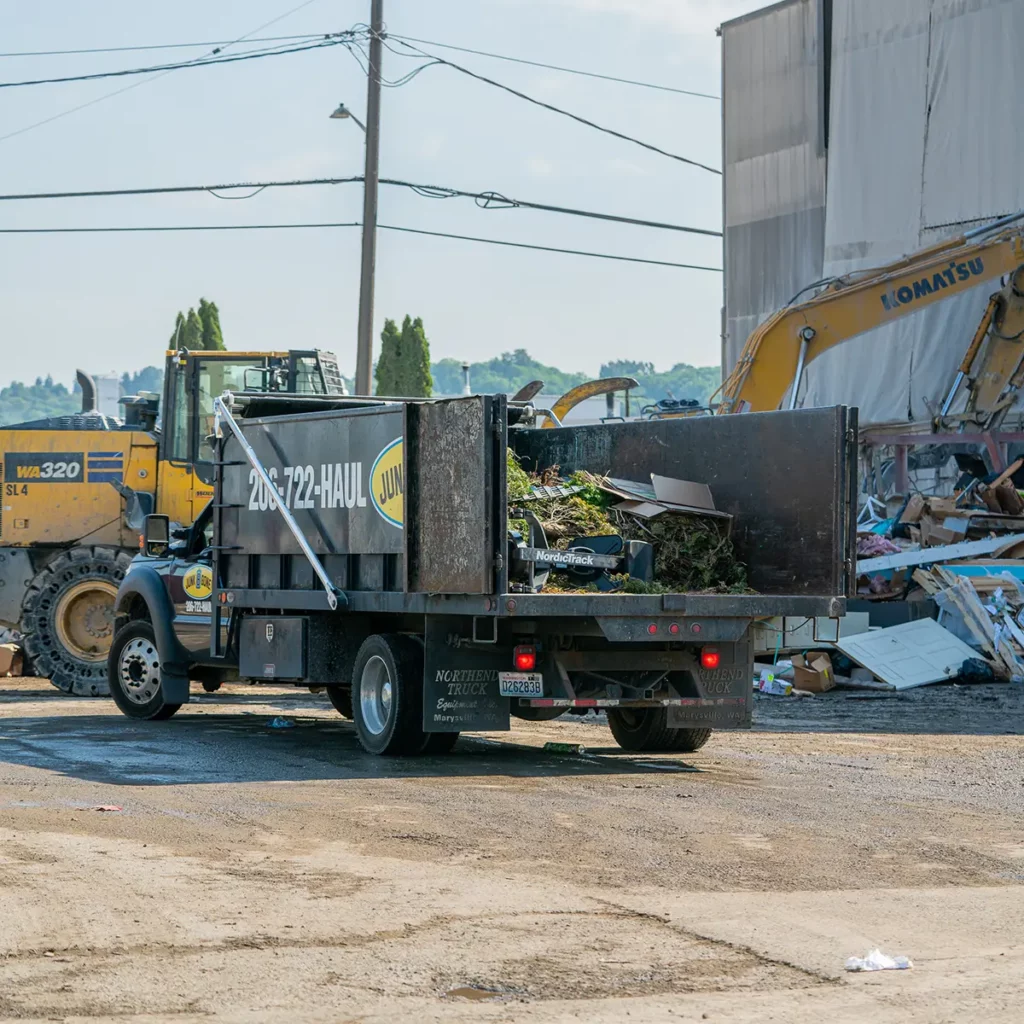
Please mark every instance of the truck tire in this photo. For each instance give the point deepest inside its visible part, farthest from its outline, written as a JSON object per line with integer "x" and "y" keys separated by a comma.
{"x": 341, "y": 699}
{"x": 646, "y": 729}
{"x": 440, "y": 742}
{"x": 133, "y": 667}
{"x": 387, "y": 695}
{"x": 67, "y": 617}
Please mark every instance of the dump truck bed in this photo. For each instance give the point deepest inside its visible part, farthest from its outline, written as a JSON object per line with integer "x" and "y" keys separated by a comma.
{"x": 405, "y": 505}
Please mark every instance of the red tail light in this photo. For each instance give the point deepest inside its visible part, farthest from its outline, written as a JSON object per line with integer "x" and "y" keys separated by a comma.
{"x": 524, "y": 658}
{"x": 709, "y": 658}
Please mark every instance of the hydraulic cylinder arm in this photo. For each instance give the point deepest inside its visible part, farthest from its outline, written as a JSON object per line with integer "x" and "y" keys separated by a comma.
{"x": 776, "y": 353}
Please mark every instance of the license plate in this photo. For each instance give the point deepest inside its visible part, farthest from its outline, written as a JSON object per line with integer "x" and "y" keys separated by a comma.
{"x": 521, "y": 684}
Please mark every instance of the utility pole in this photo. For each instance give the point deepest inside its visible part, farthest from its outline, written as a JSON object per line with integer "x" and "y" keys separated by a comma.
{"x": 364, "y": 351}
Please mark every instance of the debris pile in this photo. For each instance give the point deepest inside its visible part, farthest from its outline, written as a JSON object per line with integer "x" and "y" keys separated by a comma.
{"x": 964, "y": 552}
{"x": 618, "y": 536}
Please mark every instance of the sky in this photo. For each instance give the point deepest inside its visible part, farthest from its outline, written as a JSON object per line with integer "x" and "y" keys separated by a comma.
{"x": 108, "y": 301}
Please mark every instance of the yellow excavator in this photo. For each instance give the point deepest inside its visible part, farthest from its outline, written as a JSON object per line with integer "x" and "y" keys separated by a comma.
{"x": 76, "y": 489}
{"x": 992, "y": 369}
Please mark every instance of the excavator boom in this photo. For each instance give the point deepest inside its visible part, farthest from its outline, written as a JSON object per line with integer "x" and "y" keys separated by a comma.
{"x": 776, "y": 353}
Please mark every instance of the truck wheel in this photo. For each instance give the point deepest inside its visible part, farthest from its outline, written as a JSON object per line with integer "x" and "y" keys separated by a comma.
{"x": 646, "y": 729}
{"x": 68, "y": 618}
{"x": 686, "y": 741}
{"x": 133, "y": 667}
{"x": 387, "y": 695}
{"x": 341, "y": 698}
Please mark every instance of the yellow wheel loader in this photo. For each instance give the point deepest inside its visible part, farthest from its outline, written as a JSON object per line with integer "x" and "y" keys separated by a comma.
{"x": 74, "y": 491}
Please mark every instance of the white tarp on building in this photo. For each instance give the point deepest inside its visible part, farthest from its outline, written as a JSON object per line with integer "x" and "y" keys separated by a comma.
{"x": 924, "y": 141}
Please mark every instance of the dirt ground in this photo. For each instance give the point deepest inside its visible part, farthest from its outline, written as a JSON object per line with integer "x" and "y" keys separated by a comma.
{"x": 253, "y": 874}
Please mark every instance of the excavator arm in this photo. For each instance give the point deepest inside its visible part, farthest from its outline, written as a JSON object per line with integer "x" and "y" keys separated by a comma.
{"x": 776, "y": 353}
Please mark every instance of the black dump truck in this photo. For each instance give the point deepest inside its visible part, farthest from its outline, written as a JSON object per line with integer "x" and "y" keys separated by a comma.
{"x": 363, "y": 546}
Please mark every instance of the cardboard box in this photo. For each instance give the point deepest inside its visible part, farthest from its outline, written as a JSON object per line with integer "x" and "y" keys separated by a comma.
{"x": 940, "y": 507}
{"x": 914, "y": 510}
{"x": 933, "y": 535}
{"x": 10, "y": 660}
{"x": 813, "y": 672}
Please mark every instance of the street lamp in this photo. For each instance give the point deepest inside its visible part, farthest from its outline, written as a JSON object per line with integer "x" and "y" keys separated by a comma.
{"x": 343, "y": 112}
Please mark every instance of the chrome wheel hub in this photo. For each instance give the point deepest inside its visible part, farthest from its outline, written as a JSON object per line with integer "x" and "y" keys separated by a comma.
{"x": 375, "y": 695}
{"x": 139, "y": 670}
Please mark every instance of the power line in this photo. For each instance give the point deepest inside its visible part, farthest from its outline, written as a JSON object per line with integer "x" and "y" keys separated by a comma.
{"x": 199, "y": 62}
{"x": 554, "y": 67}
{"x": 352, "y": 224}
{"x": 549, "y": 248}
{"x": 485, "y": 200}
{"x": 175, "y": 189}
{"x": 322, "y": 35}
{"x": 136, "y": 85}
{"x": 166, "y": 46}
{"x": 554, "y": 109}
{"x": 497, "y": 201}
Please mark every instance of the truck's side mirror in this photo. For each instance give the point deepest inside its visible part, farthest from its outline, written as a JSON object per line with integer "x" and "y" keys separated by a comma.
{"x": 156, "y": 535}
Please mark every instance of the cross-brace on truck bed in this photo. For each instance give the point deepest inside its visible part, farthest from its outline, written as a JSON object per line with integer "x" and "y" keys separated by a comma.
{"x": 361, "y": 545}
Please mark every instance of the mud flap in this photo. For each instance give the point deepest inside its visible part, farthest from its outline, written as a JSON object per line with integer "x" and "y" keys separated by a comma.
{"x": 724, "y": 695}
{"x": 460, "y": 679}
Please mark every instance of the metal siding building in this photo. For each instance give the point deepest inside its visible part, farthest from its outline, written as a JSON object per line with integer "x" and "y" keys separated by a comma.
{"x": 911, "y": 122}
{"x": 774, "y": 160}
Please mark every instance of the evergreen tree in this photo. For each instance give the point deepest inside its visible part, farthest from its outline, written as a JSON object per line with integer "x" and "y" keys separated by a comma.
{"x": 193, "y": 333}
{"x": 415, "y": 376}
{"x": 178, "y": 335}
{"x": 387, "y": 372}
{"x": 209, "y": 316}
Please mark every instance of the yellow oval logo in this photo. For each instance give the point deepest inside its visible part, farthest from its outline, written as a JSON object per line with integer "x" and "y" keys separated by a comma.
{"x": 198, "y": 582}
{"x": 387, "y": 484}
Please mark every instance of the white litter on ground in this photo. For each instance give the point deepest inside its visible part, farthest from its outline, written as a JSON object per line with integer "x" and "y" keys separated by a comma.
{"x": 876, "y": 960}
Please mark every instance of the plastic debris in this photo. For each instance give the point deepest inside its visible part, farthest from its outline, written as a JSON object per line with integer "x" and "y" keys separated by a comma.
{"x": 771, "y": 684}
{"x": 565, "y": 748}
{"x": 974, "y": 670}
{"x": 876, "y": 960}
{"x": 281, "y": 723}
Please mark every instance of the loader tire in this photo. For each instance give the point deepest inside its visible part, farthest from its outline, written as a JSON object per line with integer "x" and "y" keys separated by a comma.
{"x": 67, "y": 617}
{"x": 647, "y": 730}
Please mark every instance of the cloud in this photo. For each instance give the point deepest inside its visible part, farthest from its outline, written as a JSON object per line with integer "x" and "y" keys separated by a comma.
{"x": 539, "y": 167}
{"x": 431, "y": 146}
{"x": 692, "y": 16}
{"x": 625, "y": 168}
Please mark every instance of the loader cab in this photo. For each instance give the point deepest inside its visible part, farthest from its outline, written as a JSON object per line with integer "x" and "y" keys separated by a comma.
{"x": 192, "y": 380}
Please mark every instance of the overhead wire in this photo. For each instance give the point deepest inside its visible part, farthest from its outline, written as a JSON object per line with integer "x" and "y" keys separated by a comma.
{"x": 485, "y": 200}
{"x": 354, "y": 224}
{"x": 162, "y": 46}
{"x": 198, "y": 62}
{"x": 554, "y": 67}
{"x": 548, "y": 106}
{"x": 154, "y": 78}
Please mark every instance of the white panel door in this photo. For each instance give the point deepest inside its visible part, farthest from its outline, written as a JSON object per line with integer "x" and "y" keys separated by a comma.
{"x": 908, "y": 655}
